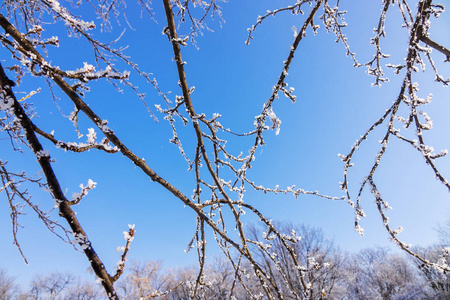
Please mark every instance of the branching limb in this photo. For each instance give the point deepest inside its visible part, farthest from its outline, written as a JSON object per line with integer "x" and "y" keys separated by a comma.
{"x": 102, "y": 125}
{"x": 79, "y": 147}
{"x": 43, "y": 157}
{"x": 382, "y": 206}
{"x": 76, "y": 197}
{"x": 377, "y": 70}
{"x": 294, "y": 9}
{"x": 11, "y": 187}
{"x": 260, "y": 126}
{"x": 417, "y": 29}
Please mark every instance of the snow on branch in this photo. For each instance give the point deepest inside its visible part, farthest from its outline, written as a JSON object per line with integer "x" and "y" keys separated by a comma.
{"x": 129, "y": 236}
{"x": 92, "y": 143}
{"x": 408, "y": 96}
{"x": 221, "y": 176}
{"x": 294, "y": 9}
{"x": 76, "y": 197}
{"x": 68, "y": 18}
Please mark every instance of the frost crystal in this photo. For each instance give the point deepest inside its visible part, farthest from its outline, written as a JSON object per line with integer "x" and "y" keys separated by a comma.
{"x": 76, "y": 197}
{"x": 82, "y": 240}
{"x": 6, "y": 102}
{"x": 92, "y": 136}
{"x": 129, "y": 235}
{"x": 42, "y": 154}
{"x": 359, "y": 230}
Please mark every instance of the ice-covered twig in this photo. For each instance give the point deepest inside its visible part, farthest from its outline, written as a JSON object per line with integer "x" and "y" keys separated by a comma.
{"x": 76, "y": 197}
{"x": 11, "y": 183}
{"x": 129, "y": 236}
{"x": 78, "y": 147}
{"x": 377, "y": 70}
{"x": 408, "y": 96}
{"x": 294, "y": 9}
{"x": 393, "y": 233}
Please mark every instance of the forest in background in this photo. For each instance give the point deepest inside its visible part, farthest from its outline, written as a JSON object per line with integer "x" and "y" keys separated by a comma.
{"x": 371, "y": 274}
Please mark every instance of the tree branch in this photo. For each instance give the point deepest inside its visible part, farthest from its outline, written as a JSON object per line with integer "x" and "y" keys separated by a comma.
{"x": 436, "y": 46}
{"x": 64, "y": 205}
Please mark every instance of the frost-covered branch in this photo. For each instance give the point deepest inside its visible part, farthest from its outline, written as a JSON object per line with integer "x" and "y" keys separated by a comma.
{"x": 19, "y": 199}
{"x": 382, "y": 206}
{"x": 294, "y": 9}
{"x": 79, "y": 147}
{"x": 186, "y": 10}
{"x": 43, "y": 158}
{"x": 333, "y": 20}
{"x": 221, "y": 177}
{"x": 377, "y": 70}
{"x": 129, "y": 236}
{"x": 408, "y": 97}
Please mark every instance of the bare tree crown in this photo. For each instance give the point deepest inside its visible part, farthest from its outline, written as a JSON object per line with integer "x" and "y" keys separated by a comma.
{"x": 221, "y": 175}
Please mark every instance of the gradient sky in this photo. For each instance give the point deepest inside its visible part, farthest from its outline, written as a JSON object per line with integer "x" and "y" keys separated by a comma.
{"x": 335, "y": 105}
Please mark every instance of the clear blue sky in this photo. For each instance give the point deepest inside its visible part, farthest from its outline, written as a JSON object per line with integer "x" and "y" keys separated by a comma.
{"x": 335, "y": 105}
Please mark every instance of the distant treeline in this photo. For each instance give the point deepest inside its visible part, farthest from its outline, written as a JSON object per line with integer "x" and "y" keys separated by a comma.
{"x": 373, "y": 273}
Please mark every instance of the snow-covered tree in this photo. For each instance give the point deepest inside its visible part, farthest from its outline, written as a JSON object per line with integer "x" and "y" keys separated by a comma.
{"x": 436, "y": 281}
{"x": 59, "y": 285}
{"x": 8, "y": 286}
{"x": 378, "y": 274}
{"x": 220, "y": 172}
{"x": 323, "y": 263}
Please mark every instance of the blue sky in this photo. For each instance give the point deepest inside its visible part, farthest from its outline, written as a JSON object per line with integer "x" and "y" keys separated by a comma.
{"x": 335, "y": 105}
